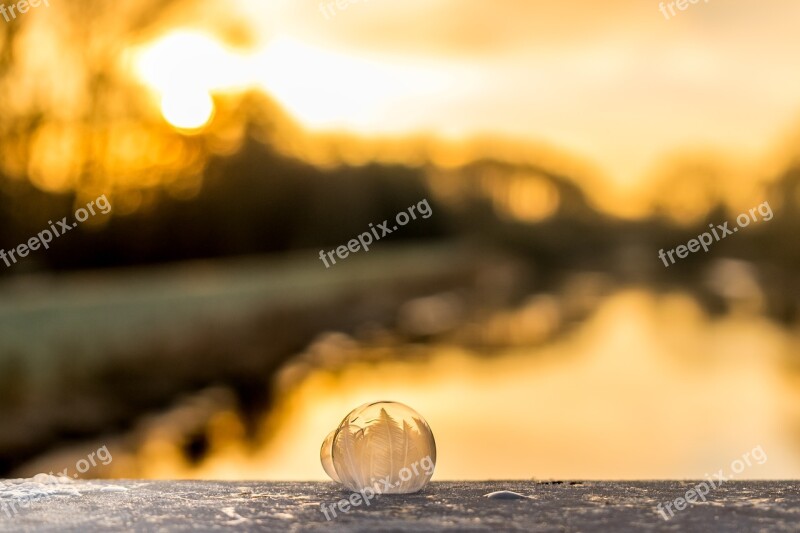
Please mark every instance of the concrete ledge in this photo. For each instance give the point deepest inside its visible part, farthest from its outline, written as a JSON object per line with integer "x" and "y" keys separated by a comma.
{"x": 442, "y": 506}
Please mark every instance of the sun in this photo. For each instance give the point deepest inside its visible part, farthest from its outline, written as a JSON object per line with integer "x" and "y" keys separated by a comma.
{"x": 323, "y": 89}
{"x": 187, "y": 109}
{"x": 185, "y": 68}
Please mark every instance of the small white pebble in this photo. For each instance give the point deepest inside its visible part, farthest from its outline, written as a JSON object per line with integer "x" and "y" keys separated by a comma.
{"x": 505, "y": 495}
{"x": 113, "y": 488}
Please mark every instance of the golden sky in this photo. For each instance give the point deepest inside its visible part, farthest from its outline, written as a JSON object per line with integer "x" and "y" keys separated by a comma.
{"x": 614, "y": 82}
{"x": 615, "y": 86}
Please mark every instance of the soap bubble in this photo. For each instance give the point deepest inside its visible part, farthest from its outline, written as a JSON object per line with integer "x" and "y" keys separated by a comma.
{"x": 326, "y": 458}
{"x": 386, "y": 446}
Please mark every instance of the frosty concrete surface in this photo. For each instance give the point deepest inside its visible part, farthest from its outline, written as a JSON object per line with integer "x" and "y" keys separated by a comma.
{"x": 443, "y": 506}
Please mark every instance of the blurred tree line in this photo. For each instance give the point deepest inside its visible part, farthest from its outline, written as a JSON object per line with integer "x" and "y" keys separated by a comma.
{"x": 256, "y": 201}
{"x": 74, "y": 126}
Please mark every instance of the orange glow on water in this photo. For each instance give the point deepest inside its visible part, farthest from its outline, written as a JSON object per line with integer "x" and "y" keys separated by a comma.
{"x": 630, "y": 395}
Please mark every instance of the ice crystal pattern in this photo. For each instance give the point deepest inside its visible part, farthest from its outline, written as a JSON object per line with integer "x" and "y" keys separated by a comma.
{"x": 386, "y": 446}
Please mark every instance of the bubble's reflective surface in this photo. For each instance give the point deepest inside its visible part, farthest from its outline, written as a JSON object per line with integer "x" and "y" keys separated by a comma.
{"x": 325, "y": 456}
{"x": 386, "y": 446}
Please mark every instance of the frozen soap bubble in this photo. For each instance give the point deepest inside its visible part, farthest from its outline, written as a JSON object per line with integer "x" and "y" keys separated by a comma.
{"x": 386, "y": 446}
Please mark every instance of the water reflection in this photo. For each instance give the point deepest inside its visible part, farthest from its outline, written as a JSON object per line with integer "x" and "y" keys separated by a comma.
{"x": 649, "y": 387}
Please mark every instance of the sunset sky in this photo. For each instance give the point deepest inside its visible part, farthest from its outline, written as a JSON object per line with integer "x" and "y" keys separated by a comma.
{"x": 614, "y": 85}
{"x": 613, "y": 82}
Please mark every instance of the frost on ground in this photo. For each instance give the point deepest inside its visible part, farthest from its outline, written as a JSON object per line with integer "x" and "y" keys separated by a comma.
{"x": 62, "y": 504}
{"x": 19, "y": 495}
